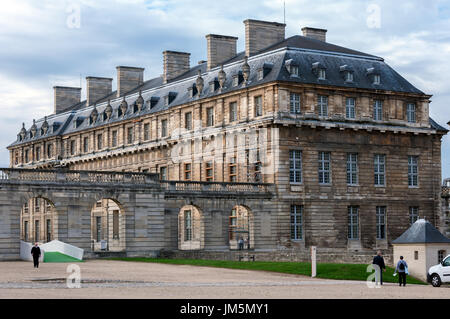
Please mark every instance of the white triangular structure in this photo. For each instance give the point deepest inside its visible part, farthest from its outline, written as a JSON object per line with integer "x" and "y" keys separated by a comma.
{"x": 52, "y": 246}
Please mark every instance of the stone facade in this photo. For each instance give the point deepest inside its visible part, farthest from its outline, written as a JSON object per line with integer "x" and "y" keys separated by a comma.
{"x": 353, "y": 163}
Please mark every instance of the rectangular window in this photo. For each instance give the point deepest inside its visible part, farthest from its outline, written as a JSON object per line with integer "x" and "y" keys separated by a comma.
{"x": 49, "y": 230}
{"x": 146, "y": 131}
{"x": 25, "y": 208}
{"x": 352, "y": 168}
{"x": 38, "y": 153}
{"x": 233, "y": 111}
{"x": 416, "y": 255}
{"x": 25, "y": 231}
{"x": 163, "y": 173}
{"x": 411, "y": 112}
{"x": 36, "y": 230}
{"x": 379, "y": 169}
{"x": 232, "y": 170}
{"x": 413, "y": 214}
{"x": 98, "y": 224}
{"x": 381, "y": 222}
{"x": 37, "y": 206}
{"x": 295, "y": 166}
{"x": 348, "y": 76}
{"x": 163, "y": 128}
{"x": 130, "y": 137}
{"x": 258, "y": 105}
{"x": 413, "y": 173}
{"x": 323, "y": 105}
{"x": 350, "y": 108}
{"x": 99, "y": 141}
{"x": 353, "y": 224}
{"x": 324, "y": 168}
{"x": 115, "y": 224}
{"x": 26, "y": 157}
{"x": 209, "y": 171}
{"x": 210, "y": 116}
{"x": 294, "y": 103}
{"x": 114, "y": 138}
{"x": 376, "y": 79}
{"x": 378, "y": 110}
{"x": 322, "y": 74}
{"x": 86, "y": 144}
{"x": 188, "y": 121}
{"x": 187, "y": 171}
{"x": 187, "y": 225}
{"x": 296, "y": 222}
{"x": 72, "y": 147}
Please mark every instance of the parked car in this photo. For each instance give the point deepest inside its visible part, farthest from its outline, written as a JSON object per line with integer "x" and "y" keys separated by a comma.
{"x": 439, "y": 273}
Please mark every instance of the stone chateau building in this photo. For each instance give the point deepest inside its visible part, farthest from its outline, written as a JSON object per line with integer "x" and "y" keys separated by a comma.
{"x": 345, "y": 139}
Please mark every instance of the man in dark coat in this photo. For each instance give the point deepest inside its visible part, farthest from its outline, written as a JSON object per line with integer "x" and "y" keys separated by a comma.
{"x": 36, "y": 253}
{"x": 379, "y": 261}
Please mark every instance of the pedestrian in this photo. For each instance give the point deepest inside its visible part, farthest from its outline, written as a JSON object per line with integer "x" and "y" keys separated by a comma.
{"x": 402, "y": 270}
{"x": 378, "y": 260}
{"x": 36, "y": 253}
{"x": 241, "y": 243}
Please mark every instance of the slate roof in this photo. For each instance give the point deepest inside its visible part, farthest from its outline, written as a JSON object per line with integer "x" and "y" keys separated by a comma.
{"x": 421, "y": 231}
{"x": 300, "y": 50}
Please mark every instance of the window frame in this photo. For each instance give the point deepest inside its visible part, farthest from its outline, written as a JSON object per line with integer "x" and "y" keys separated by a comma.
{"x": 380, "y": 216}
{"x": 352, "y": 226}
{"x": 295, "y": 173}
{"x": 232, "y": 111}
{"x": 411, "y": 113}
{"x": 296, "y": 222}
{"x": 378, "y": 110}
{"x": 322, "y": 170}
{"x": 352, "y": 169}
{"x": 349, "y": 108}
{"x": 413, "y": 176}
{"x": 295, "y": 103}
{"x": 377, "y": 171}
{"x": 258, "y": 106}
{"x": 322, "y": 105}
{"x": 413, "y": 214}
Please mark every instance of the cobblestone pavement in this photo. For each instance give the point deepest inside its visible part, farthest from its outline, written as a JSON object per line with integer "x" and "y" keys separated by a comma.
{"x": 117, "y": 279}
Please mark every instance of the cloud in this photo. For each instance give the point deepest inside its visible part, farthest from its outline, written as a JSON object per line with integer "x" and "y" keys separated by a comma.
{"x": 40, "y": 49}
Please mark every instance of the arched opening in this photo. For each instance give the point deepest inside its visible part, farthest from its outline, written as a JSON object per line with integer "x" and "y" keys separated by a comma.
{"x": 37, "y": 220}
{"x": 107, "y": 226}
{"x": 190, "y": 228}
{"x": 241, "y": 228}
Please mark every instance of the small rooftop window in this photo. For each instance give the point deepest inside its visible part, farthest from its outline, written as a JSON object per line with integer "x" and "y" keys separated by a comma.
{"x": 264, "y": 70}
{"x": 292, "y": 67}
{"x": 319, "y": 70}
{"x": 374, "y": 75}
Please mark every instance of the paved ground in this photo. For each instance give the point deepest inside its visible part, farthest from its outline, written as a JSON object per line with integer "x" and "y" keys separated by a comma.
{"x": 118, "y": 279}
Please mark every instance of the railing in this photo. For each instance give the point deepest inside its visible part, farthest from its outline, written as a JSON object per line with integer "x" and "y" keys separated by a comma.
{"x": 69, "y": 176}
{"x": 217, "y": 187}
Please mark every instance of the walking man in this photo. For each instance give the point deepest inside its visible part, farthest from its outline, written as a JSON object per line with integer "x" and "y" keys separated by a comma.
{"x": 378, "y": 260}
{"x": 401, "y": 269}
{"x": 36, "y": 253}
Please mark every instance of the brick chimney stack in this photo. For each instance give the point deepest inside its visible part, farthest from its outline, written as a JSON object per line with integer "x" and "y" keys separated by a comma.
{"x": 97, "y": 88}
{"x": 175, "y": 64}
{"x": 128, "y": 78}
{"x": 220, "y": 49}
{"x": 262, "y": 34}
{"x": 65, "y": 97}
{"x": 314, "y": 33}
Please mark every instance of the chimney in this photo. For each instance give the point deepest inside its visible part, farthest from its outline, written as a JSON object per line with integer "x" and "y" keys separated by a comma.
{"x": 175, "y": 64}
{"x": 314, "y": 33}
{"x": 128, "y": 78}
{"x": 96, "y": 88}
{"x": 220, "y": 49}
{"x": 65, "y": 97}
{"x": 262, "y": 34}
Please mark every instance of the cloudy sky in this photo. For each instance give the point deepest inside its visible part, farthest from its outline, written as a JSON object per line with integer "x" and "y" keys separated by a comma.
{"x": 47, "y": 43}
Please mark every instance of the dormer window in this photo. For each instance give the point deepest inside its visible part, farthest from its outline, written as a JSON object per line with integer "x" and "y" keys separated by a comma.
{"x": 376, "y": 79}
{"x": 169, "y": 98}
{"x": 262, "y": 72}
{"x": 322, "y": 74}
{"x": 192, "y": 90}
{"x": 213, "y": 86}
{"x": 374, "y": 76}
{"x": 292, "y": 68}
{"x": 349, "y": 76}
{"x": 152, "y": 102}
{"x": 319, "y": 70}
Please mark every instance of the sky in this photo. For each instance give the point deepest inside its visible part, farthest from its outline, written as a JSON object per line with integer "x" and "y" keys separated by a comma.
{"x": 47, "y": 43}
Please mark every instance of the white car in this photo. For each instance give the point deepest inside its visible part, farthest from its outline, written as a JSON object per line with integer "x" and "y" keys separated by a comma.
{"x": 439, "y": 273}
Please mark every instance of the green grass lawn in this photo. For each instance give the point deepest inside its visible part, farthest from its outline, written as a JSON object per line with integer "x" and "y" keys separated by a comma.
{"x": 324, "y": 270}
